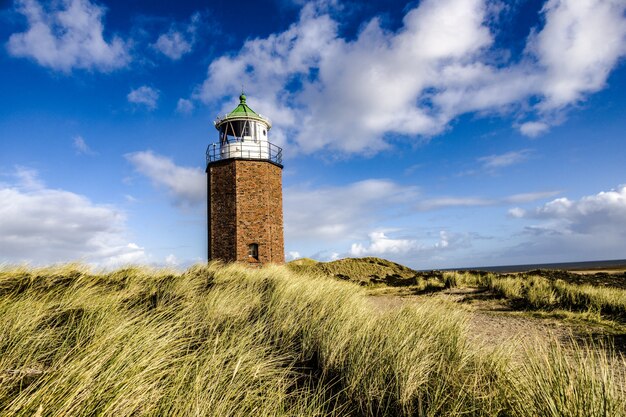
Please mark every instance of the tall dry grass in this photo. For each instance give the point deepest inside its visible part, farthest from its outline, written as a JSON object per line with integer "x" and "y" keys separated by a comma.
{"x": 540, "y": 293}
{"x": 228, "y": 341}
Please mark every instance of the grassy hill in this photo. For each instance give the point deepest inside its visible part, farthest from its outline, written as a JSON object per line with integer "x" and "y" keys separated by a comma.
{"x": 369, "y": 270}
{"x": 601, "y": 293}
{"x": 229, "y": 341}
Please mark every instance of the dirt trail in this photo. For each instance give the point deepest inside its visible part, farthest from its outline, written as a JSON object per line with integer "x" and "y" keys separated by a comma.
{"x": 493, "y": 321}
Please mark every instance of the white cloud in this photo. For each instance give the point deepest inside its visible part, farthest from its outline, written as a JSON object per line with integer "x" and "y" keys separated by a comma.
{"x": 528, "y": 197}
{"x": 27, "y": 178}
{"x": 116, "y": 257}
{"x": 384, "y": 246}
{"x": 67, "y": 34}
{"x": 416, "y": 80}
{"x": 443, "y": 202}
{"x": 602, "y": 213}
{"x": 173, "y": 45}
{"x": 533, "y": 129}
{"x": 517, "y": 212}
{"x": 41, "y": 225}
{"x": 381, "y": 245}
{"x": 186, "y": 186}
{"x": 326, "y": 256}
{"x": 578, "y": 47}
{"x": 171, "y": 260}
{"x": 444, "y": 241}
{"x": 184, "y": 106}
{"x": 291, "y": 255}
{"x": 81, "y": 146}
{"x": 144, "y": 95}
{"x": 178, "y": 41}
{"x": 492, "y": 162}
{"x": 590, "y": 228}
{"x": 337, "y": 216}
{"x": 335, "y": 212}
{"x": 470, "y": 201}
{"x": 347, "y": 209}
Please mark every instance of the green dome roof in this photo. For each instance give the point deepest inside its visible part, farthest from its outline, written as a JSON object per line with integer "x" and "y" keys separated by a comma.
{"x": 242, "y": 111}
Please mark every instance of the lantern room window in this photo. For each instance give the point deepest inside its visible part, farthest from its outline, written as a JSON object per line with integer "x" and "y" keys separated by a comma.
{"x": 253, "y": 251}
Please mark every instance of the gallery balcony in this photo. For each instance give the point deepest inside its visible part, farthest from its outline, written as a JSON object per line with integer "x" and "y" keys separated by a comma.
{"x": 244, "y": 149}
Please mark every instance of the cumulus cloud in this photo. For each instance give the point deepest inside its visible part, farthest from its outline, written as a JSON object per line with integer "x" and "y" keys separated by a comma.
{"x": 292, "y": 255}
{"x": 602, "y": 213}
{"x": 517, "y": 212}
{"x": 179, "y": 39}
{"x": 171, "y": 260}
{"x": 326, "y": 214}
{"x": 338, "y": 216}
{"x": 590, "y": 228}
{"x": 184, "y": 106}
{"x": 145, "y": 96}
{"x": 42, "y": 225}
{"x": 67, "y": 34}
{"x": 382, "y": 245}
{"x": 173, "y": 45}
{"x": 186, "y": 186}
{"x": 336, "y": 212}
{"x": 533, "y": 129}
{"x": 589, "y": 36}
{"x": 351, "y": 95}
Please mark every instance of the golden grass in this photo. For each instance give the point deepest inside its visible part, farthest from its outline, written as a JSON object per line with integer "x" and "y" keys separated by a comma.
{"x": 365, "y": 271}
{"x": 228, "y": 341}
{"x": 539, "y": 293}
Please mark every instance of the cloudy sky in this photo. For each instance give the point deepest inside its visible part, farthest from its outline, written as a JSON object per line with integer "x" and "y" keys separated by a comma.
{"x": 436, "y": 133}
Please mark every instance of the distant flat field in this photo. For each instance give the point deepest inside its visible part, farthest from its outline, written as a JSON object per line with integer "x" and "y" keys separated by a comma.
{"x": 589, "y": 267}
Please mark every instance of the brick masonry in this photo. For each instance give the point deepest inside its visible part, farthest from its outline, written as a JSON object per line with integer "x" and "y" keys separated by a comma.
{"x": 245, "y": 205}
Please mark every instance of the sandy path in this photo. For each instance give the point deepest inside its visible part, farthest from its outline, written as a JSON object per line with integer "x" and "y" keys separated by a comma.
{"x": 492, "y": 321}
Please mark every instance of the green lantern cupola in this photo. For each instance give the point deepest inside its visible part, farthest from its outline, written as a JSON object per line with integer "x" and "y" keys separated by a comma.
{"x": 243, "y": 133}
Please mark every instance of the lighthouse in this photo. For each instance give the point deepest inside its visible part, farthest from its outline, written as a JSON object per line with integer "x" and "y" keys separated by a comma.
{"x": 244, "y": 190}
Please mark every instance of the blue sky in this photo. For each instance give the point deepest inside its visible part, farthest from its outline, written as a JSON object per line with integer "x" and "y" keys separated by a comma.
{"x": 437, "y": 134}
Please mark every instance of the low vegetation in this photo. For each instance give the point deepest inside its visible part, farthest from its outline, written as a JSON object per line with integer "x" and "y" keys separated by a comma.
{"x": 363, "y": 271}
{"x": 601, "y": 293}
{"x": 539, "y": 293}
{"x": 229, "y": 341}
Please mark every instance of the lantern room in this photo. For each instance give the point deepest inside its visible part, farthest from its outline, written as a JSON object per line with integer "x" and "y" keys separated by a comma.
{"x": 243, "y": 134}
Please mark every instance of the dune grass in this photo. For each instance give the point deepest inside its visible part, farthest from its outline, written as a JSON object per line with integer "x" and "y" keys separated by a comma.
{"x": 539, "y": 293}
{"x": 526, "y": 291}
{"x": 364, "y": 271}
{"x": 229, "y": 341}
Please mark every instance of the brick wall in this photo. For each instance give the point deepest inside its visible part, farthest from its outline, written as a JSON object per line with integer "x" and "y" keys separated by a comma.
{"x": 245, "y": 206}
{"x": 222, "y": 211}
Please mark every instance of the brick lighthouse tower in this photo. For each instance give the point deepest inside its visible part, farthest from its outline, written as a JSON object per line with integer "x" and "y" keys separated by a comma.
{"x": 245, "y": 198}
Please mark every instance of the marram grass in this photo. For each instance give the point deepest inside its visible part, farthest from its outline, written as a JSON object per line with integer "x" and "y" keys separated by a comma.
{"x": 228, "y": 341}
{"x": 536, "y": 292}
